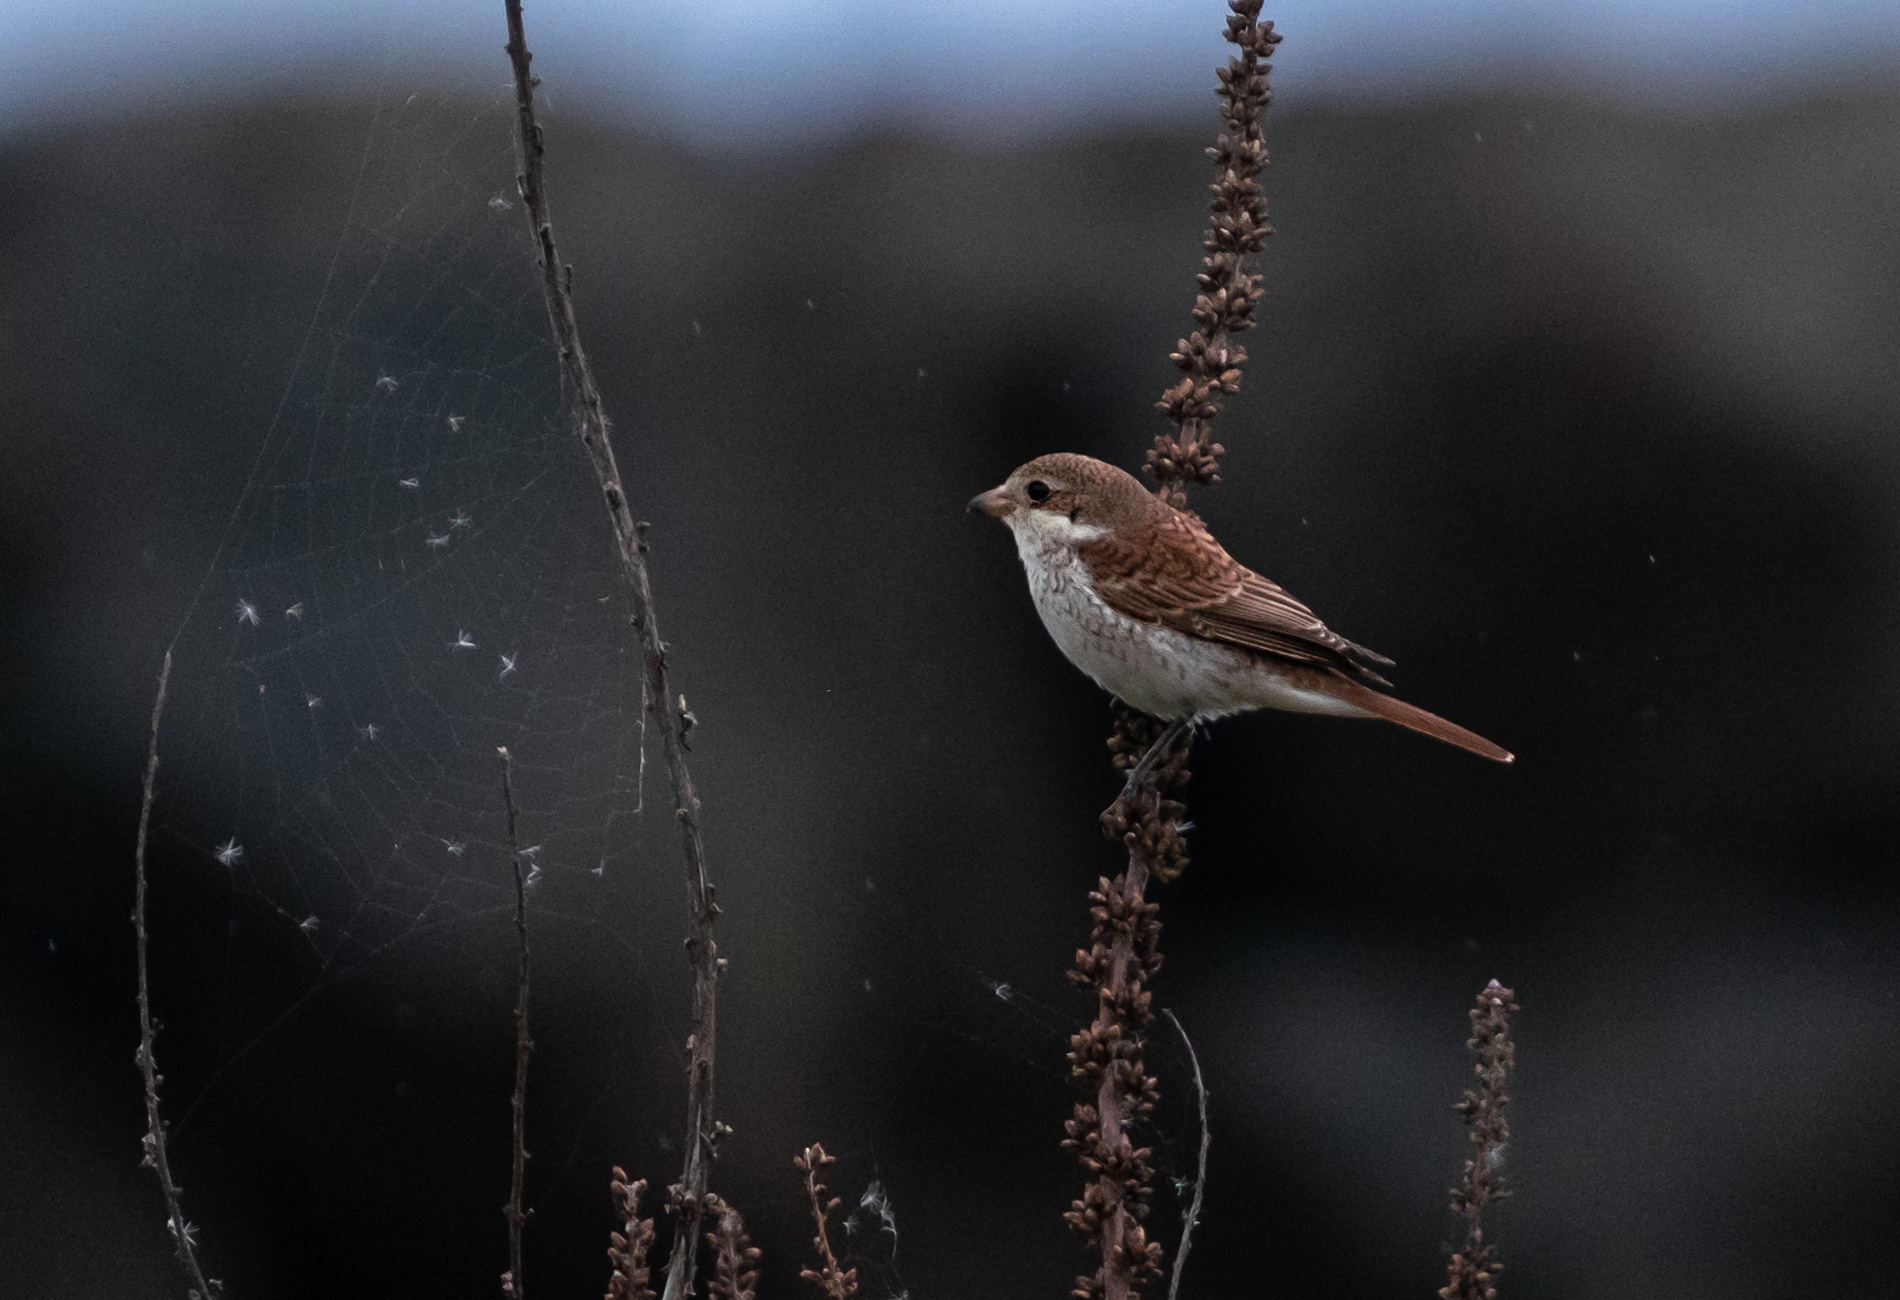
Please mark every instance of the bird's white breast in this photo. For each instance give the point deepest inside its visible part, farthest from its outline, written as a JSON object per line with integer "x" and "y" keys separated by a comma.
{"x": 1152, "y": 668}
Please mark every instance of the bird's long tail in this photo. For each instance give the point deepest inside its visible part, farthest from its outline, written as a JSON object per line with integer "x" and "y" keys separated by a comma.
{"x": 1415, "y": 719}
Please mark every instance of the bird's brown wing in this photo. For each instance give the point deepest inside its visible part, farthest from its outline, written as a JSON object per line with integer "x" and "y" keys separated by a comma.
{"x": 1175, "y": 574}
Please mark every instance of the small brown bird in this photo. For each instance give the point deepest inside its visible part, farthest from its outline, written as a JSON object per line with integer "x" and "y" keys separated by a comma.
{"x": 1141, "y": 598}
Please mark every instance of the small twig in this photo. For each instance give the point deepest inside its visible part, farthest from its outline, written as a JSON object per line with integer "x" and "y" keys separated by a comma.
{"x": 511, "y": 1284}
{"x": 688, "y": 1196}
{"x": 157, "y": 1158}
{"x": 1200, "y": 1176}
{"x": 838, "y": 1284}
{"x": 1473, "y": 1271}
{"x": 628, "y": 1251}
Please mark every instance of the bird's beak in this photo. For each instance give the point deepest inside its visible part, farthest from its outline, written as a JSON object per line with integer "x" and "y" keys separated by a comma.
{"x": 994, "y": 502}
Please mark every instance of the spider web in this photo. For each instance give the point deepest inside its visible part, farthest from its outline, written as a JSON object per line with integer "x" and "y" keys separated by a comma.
{"x": 417, "y": 574}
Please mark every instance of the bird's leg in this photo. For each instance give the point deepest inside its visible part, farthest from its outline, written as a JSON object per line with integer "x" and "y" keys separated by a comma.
{"x": 1144, "y": 769}
{"x": 1156, "y": 753}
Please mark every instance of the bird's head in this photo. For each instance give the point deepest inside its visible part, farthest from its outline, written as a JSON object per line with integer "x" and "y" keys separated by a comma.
{"x": 1070, "y": 499}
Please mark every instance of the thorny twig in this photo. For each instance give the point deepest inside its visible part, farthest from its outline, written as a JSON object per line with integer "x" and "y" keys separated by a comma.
{"x": 1200, "y": 1174}
{"x": 1473, "y": 1271}
{"x": 157, "y": 1158}
{"x": 1106, "y": 1055}
{"x": 511, "y": 1282}
{"x": 838, "y": 1284}
{"x": 688, "y": 1196}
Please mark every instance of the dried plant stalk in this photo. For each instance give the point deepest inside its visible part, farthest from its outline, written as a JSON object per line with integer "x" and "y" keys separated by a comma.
{"x": 688, "y": 1196}
{"x": 157, "y": 1157}
{"x": 512, "y": 1285}
{"x": 837, "y": 1283}
{"x": 629, "y": 1245}
{"x": 1473, "y": 1271}
{"x": 1105, "y": 1056}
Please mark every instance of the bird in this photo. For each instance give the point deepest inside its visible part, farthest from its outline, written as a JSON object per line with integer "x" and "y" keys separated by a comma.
{"x": 1139, "y": 596}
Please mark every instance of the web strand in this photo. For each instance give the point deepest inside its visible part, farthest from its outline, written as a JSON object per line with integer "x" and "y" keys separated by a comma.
{"x": 415, "y": 573}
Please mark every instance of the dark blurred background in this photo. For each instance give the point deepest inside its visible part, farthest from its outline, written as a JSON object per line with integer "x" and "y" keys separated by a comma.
{"x": 1584, "y": 411}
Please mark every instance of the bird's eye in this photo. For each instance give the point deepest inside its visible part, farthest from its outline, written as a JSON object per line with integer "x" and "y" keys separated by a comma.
{"x": 1038, "y": 491}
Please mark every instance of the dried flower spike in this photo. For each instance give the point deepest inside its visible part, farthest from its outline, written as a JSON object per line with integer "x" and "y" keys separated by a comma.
{"x": 630, "y": 1244}
{"x": 1105, "y": 1055}
{"x": 1226, "y": 288}
{"x": 735, "y": 1259}
{"x": 1473, "y": 1271}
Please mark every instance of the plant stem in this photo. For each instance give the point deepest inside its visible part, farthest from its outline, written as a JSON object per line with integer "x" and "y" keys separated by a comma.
{"x": 590, "y": 425}
{"x": 524, "y": 1045}
{"x": 157, "y": 1157}
{"x": 1200, "y": 1175}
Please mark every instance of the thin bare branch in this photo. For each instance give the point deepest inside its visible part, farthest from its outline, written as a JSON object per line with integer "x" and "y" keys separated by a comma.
{"x": 1200, "y": 1176}
{"x": 512, "y": 1285}
{"x": 688, "y": 1196}
{"x": 157, "y": 1157}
